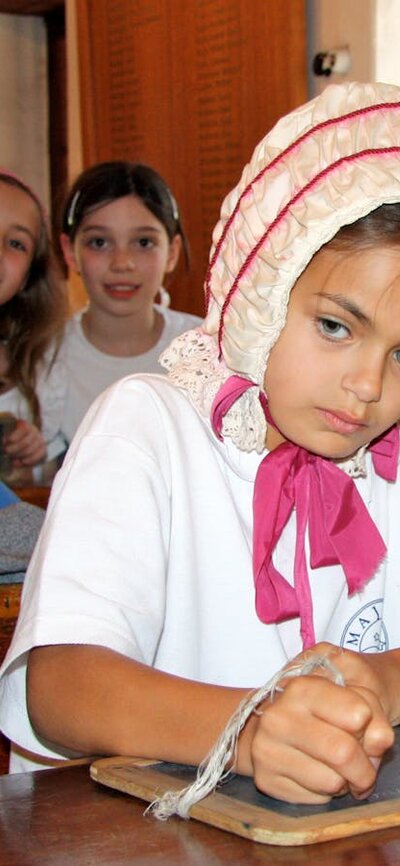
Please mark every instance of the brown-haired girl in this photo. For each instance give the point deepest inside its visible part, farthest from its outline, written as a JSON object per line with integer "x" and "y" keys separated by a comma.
{"x": 32, "y": 312}
{"x": 122, "y": 232}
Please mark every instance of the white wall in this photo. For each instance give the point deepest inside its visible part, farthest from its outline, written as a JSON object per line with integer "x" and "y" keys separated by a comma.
{"x": 340, "y": 24}
{"x": 369, "y": 28}
{"x": 23, "y": 100}
{"x": 387, "y": 41}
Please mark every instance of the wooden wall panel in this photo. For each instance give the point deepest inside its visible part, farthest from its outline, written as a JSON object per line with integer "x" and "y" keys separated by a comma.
{"x": 188, "y": 86}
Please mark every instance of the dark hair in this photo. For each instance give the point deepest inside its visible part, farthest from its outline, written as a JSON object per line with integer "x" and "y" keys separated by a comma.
{"x": 378, "y": 228}
{"x": 106, "y": 181}
{"x": 32, "y": 321}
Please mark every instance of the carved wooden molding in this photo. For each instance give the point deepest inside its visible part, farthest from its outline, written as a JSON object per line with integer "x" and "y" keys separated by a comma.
{"x": 29, "y": 7}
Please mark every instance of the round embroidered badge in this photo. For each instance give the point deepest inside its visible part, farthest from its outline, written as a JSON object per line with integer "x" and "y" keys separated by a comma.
{"x": 366, "y": 632}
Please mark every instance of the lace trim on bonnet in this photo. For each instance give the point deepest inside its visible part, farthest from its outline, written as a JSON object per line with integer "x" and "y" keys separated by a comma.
{"x": 192, "y": 363}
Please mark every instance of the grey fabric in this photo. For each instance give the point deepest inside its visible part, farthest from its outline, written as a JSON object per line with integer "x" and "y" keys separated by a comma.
{"x": 20, "y": 525}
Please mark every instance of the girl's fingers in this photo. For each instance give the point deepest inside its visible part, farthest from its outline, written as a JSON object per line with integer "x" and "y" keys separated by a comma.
{"x": 360, "y": 675}
{"x": 314, "y": 695}
{"x": 311, "y": 740}
{"x": 26, "y": 444}
{"x": 305, "y": 780}
{"x": 378, "y": 736}
{"x": 364, "y": 670}
{"x": 325, "y": 762}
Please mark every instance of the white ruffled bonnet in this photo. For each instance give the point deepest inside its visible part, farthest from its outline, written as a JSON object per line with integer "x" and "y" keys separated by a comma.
{"x": 324, "y": 165}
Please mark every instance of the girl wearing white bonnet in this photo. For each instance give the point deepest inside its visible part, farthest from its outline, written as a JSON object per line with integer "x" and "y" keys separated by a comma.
{"x": 207, "y": 529}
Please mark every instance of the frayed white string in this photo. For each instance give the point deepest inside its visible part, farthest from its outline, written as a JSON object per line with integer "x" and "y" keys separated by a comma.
{"x": 212, "y": 769}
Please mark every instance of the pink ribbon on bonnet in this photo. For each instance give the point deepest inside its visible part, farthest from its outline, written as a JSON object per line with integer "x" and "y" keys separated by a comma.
{"x": 340, "y": 528}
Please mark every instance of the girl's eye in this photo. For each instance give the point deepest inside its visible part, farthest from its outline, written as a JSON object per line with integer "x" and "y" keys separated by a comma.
{"x": 332, "y": 329}
{"x": 97, "y": 243}
{"x": 16, "y": 244}
{"x": 397, "y": 356}
{"x": 145, "y": 243}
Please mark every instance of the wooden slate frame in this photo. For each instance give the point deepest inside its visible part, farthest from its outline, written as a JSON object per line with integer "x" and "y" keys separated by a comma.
{"x": 144, "y": 779}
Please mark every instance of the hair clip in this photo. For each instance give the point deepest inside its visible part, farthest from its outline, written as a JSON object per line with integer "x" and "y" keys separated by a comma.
{"x": 71, "y": 212}
{"x": 174, "y": 206}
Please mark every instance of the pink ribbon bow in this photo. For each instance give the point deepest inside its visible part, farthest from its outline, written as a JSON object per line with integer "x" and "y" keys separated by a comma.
{"x": 340, "y": 528}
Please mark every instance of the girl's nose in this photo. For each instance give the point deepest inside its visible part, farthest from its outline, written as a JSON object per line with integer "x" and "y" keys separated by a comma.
{"x": 123, "y": 259}
{"x": 365, "y": 380}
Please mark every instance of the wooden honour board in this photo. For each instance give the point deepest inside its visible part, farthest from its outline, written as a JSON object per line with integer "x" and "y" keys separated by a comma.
{"x": 239, "y": 808}
{"x": 189, "y": 87}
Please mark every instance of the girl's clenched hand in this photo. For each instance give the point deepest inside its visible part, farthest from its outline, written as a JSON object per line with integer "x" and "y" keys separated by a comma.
{"x": 25, "y": 444}
{"x": 317, "y": 739}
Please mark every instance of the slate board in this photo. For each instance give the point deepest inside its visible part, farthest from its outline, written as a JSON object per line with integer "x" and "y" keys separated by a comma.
{"x": 237, "y": 806}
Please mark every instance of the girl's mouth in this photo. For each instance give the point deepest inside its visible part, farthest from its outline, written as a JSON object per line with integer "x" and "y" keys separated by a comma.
{"x": 342, "y": 421}
{"x": 121, "y": 290}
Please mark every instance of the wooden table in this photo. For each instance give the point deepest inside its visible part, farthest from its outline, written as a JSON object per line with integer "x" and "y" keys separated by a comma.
{"x": 63, "y": 818}
{"x": 36, "y": 494}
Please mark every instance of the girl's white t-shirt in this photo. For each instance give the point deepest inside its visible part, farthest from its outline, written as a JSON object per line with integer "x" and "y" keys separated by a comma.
{"x": 90, "y": 371}
{"x": 147, "y": 549}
